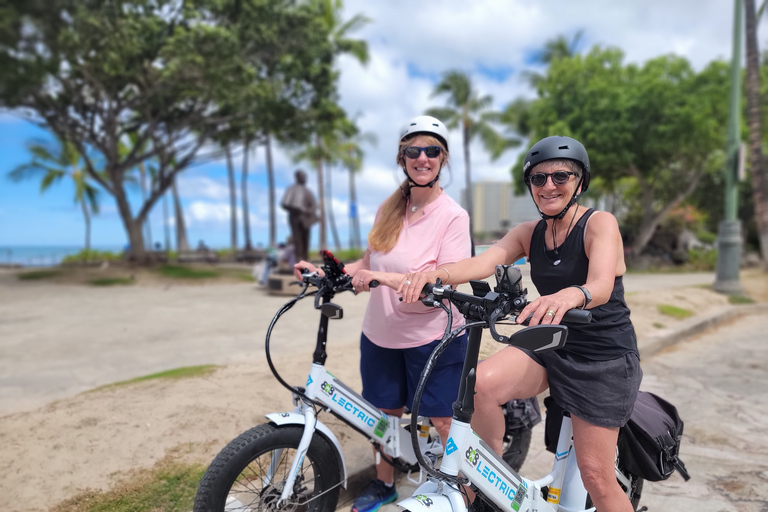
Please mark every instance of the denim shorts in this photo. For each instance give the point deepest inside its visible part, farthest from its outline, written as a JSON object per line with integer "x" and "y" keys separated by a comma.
{"x": 602, "y": 393}
{"x": 390, "y": 376}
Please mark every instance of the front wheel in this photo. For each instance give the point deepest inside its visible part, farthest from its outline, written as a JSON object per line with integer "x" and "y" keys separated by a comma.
{"x": 250, "y": 473}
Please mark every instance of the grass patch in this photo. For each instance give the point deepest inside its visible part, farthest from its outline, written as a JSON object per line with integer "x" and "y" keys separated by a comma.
{"x": 111, "y": 281}
{"x": 168, "y": 487}
{"x": 38, "y": 274}
{"x": 740, "y": 299}
{"x": 182, "y": 272}
{"x": 185, "y": 372}
{"x": 659, "y": 325}
{"x": 674, "y": 311}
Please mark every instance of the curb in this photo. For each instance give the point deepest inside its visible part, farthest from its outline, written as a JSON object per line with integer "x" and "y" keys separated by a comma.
{"x": 698, "y": 324}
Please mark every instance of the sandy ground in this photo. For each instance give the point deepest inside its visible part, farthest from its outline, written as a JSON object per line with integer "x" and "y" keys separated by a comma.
{"x": 59, "y": 339}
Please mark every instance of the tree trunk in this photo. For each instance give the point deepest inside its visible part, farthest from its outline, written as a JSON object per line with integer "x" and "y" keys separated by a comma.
{"x": 331, "y": 217}
{"x": 756, "y": 165}
{"x": 272, "y": 201}
{"x": 87, "y": 217}
{"x": 468, "y": 179}
{"x": 244, "y": 193}
{"x": 232, "y": 202}
{"x": 166, "y": 224}
{"x": 354, "y": 215}
{"x": 133, "y": 228}
{"x": 321, "y": 194}
{"x": 182, "y": 244}
{"x": 146, "y": 223}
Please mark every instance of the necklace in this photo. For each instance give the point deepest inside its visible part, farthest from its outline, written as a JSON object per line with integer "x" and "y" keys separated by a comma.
{"x": 557, "y": 251}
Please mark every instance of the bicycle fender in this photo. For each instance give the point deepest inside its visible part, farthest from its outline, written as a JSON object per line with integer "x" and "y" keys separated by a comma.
{"x": 294, "y": 418}
{"x": 433, "y": 502}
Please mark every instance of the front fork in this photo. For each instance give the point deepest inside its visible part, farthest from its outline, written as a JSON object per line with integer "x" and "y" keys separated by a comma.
{"x": 298, "y": 459}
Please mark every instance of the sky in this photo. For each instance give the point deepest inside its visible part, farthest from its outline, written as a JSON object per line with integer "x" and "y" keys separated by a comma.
{"x": 411, "y": 44}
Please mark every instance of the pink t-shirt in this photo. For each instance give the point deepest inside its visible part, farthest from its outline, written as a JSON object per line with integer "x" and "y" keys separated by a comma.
{"x": 437, "y": 238}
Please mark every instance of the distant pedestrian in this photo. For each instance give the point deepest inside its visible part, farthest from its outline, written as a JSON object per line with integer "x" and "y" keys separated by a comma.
{"x": 301, "y": 206}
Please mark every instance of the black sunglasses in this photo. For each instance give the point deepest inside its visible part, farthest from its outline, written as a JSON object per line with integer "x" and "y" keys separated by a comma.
{"x": 413, "y": 152}
{"x": 539, "y": 179}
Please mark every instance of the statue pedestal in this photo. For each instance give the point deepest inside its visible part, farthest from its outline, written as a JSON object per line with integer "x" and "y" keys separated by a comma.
{"x": 282, "y": 284}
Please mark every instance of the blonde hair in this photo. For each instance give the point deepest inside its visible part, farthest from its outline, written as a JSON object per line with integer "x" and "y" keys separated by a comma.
{"x": 384, "y": 234}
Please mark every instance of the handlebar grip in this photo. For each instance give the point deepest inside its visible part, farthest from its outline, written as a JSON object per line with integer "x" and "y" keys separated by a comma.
{"x": 373, "y": 284}
{"x": 578, "y": 316}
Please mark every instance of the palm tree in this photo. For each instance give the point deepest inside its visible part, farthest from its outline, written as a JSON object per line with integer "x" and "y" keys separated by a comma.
{"x": 754, "y": 116}
{"x": 55, "y": 163}
{"x": 557, "y": 48}
{"x": 471, "y": 113}
{"x": 339, "y": 30}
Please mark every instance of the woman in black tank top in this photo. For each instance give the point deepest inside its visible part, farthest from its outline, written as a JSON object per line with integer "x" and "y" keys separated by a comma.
{"x": 577, "y": 261}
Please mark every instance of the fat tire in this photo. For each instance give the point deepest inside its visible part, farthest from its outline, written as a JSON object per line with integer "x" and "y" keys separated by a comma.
{"x": 236, "y": 473}
{"x": 516, "y": 444}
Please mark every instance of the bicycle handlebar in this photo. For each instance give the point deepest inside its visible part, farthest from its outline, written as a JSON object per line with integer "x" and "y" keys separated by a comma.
{"x": 491, "y": 306}
{"x": 334, "y": 281}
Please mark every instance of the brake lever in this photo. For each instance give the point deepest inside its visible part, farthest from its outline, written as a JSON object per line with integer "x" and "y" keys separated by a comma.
{"x": 497, "y": 313}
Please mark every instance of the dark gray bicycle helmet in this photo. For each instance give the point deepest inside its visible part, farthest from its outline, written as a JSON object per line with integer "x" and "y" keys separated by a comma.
{"x": 557, "y": 147}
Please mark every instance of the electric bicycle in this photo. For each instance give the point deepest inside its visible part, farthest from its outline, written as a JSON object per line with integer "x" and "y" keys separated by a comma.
{"x": 468, "y": 460}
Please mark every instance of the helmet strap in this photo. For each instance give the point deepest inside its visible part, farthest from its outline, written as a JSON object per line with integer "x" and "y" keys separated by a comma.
{"x": 574, "y": 198}
{"x": 430, "y": 184}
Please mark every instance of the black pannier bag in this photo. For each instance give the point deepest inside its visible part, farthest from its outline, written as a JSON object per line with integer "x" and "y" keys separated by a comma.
{"x": 649, "y": 444}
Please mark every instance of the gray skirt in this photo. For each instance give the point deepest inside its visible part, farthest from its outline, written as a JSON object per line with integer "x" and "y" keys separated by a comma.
{"x": 602, "y": 393}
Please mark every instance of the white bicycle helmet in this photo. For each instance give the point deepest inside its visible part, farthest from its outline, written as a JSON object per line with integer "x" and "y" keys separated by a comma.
{"x": 426, "y": 124}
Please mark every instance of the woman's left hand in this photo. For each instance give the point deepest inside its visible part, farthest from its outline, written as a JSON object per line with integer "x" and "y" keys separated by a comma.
{"x": 413, "y": 283}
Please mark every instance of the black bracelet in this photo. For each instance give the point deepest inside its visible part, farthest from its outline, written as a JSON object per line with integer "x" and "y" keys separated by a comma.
{"x": 587, "y": 295}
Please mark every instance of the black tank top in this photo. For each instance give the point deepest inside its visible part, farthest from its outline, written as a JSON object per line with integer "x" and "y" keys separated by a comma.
{"x": 610, "y": 334}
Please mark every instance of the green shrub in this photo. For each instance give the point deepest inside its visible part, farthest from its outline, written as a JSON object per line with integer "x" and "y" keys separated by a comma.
{"x": 92, "y": 256}
{"x": 37, "y": 274}
{"x": 109, "y": 281}
{"x": 706, "y": 237}
{"x": 702, "y": 259}
{"x": 182, "y": 272}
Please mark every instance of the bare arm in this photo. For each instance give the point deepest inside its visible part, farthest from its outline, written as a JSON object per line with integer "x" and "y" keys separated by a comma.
{"x": 510, "y": 248}
{"x": 602, "y": 244}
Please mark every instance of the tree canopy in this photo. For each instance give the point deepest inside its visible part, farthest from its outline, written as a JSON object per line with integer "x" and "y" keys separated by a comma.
{"x": 171, "y": 74}
{"x": 655, "y": 127}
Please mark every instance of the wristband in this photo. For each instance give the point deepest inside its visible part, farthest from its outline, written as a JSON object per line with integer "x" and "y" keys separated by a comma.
{"x": 587, "y": 295}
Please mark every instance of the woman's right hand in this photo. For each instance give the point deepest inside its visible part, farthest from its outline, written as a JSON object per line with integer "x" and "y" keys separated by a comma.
{"x": 304, "y": 266}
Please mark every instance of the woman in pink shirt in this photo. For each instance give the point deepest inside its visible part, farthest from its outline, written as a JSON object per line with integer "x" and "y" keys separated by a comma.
{"x": 418, "y": 228}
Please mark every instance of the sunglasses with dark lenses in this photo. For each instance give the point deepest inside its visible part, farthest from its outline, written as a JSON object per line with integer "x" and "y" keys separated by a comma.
{"x": 539, "y": 179}
{"x": 413, "y": 152}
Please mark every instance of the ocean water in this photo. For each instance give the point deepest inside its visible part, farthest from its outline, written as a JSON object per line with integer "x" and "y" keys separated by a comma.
{"x": 43, "y": 255}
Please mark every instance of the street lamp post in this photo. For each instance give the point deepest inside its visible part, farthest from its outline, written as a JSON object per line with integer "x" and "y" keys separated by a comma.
{"x": 729, "y": 232}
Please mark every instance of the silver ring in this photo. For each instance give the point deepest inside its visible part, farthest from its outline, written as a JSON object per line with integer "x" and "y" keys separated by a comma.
{"x": 407, "y": 282}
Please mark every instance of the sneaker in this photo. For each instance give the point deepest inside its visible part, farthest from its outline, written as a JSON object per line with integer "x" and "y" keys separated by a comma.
{"x": 375, "y": 495}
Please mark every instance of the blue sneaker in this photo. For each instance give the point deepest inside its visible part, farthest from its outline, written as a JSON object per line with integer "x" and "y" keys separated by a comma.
{"x": 376, "y": 494}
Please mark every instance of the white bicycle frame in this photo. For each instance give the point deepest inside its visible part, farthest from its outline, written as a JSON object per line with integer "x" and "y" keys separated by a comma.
{"x": 353, "y": 409}
{"x": 467, "y": 454}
